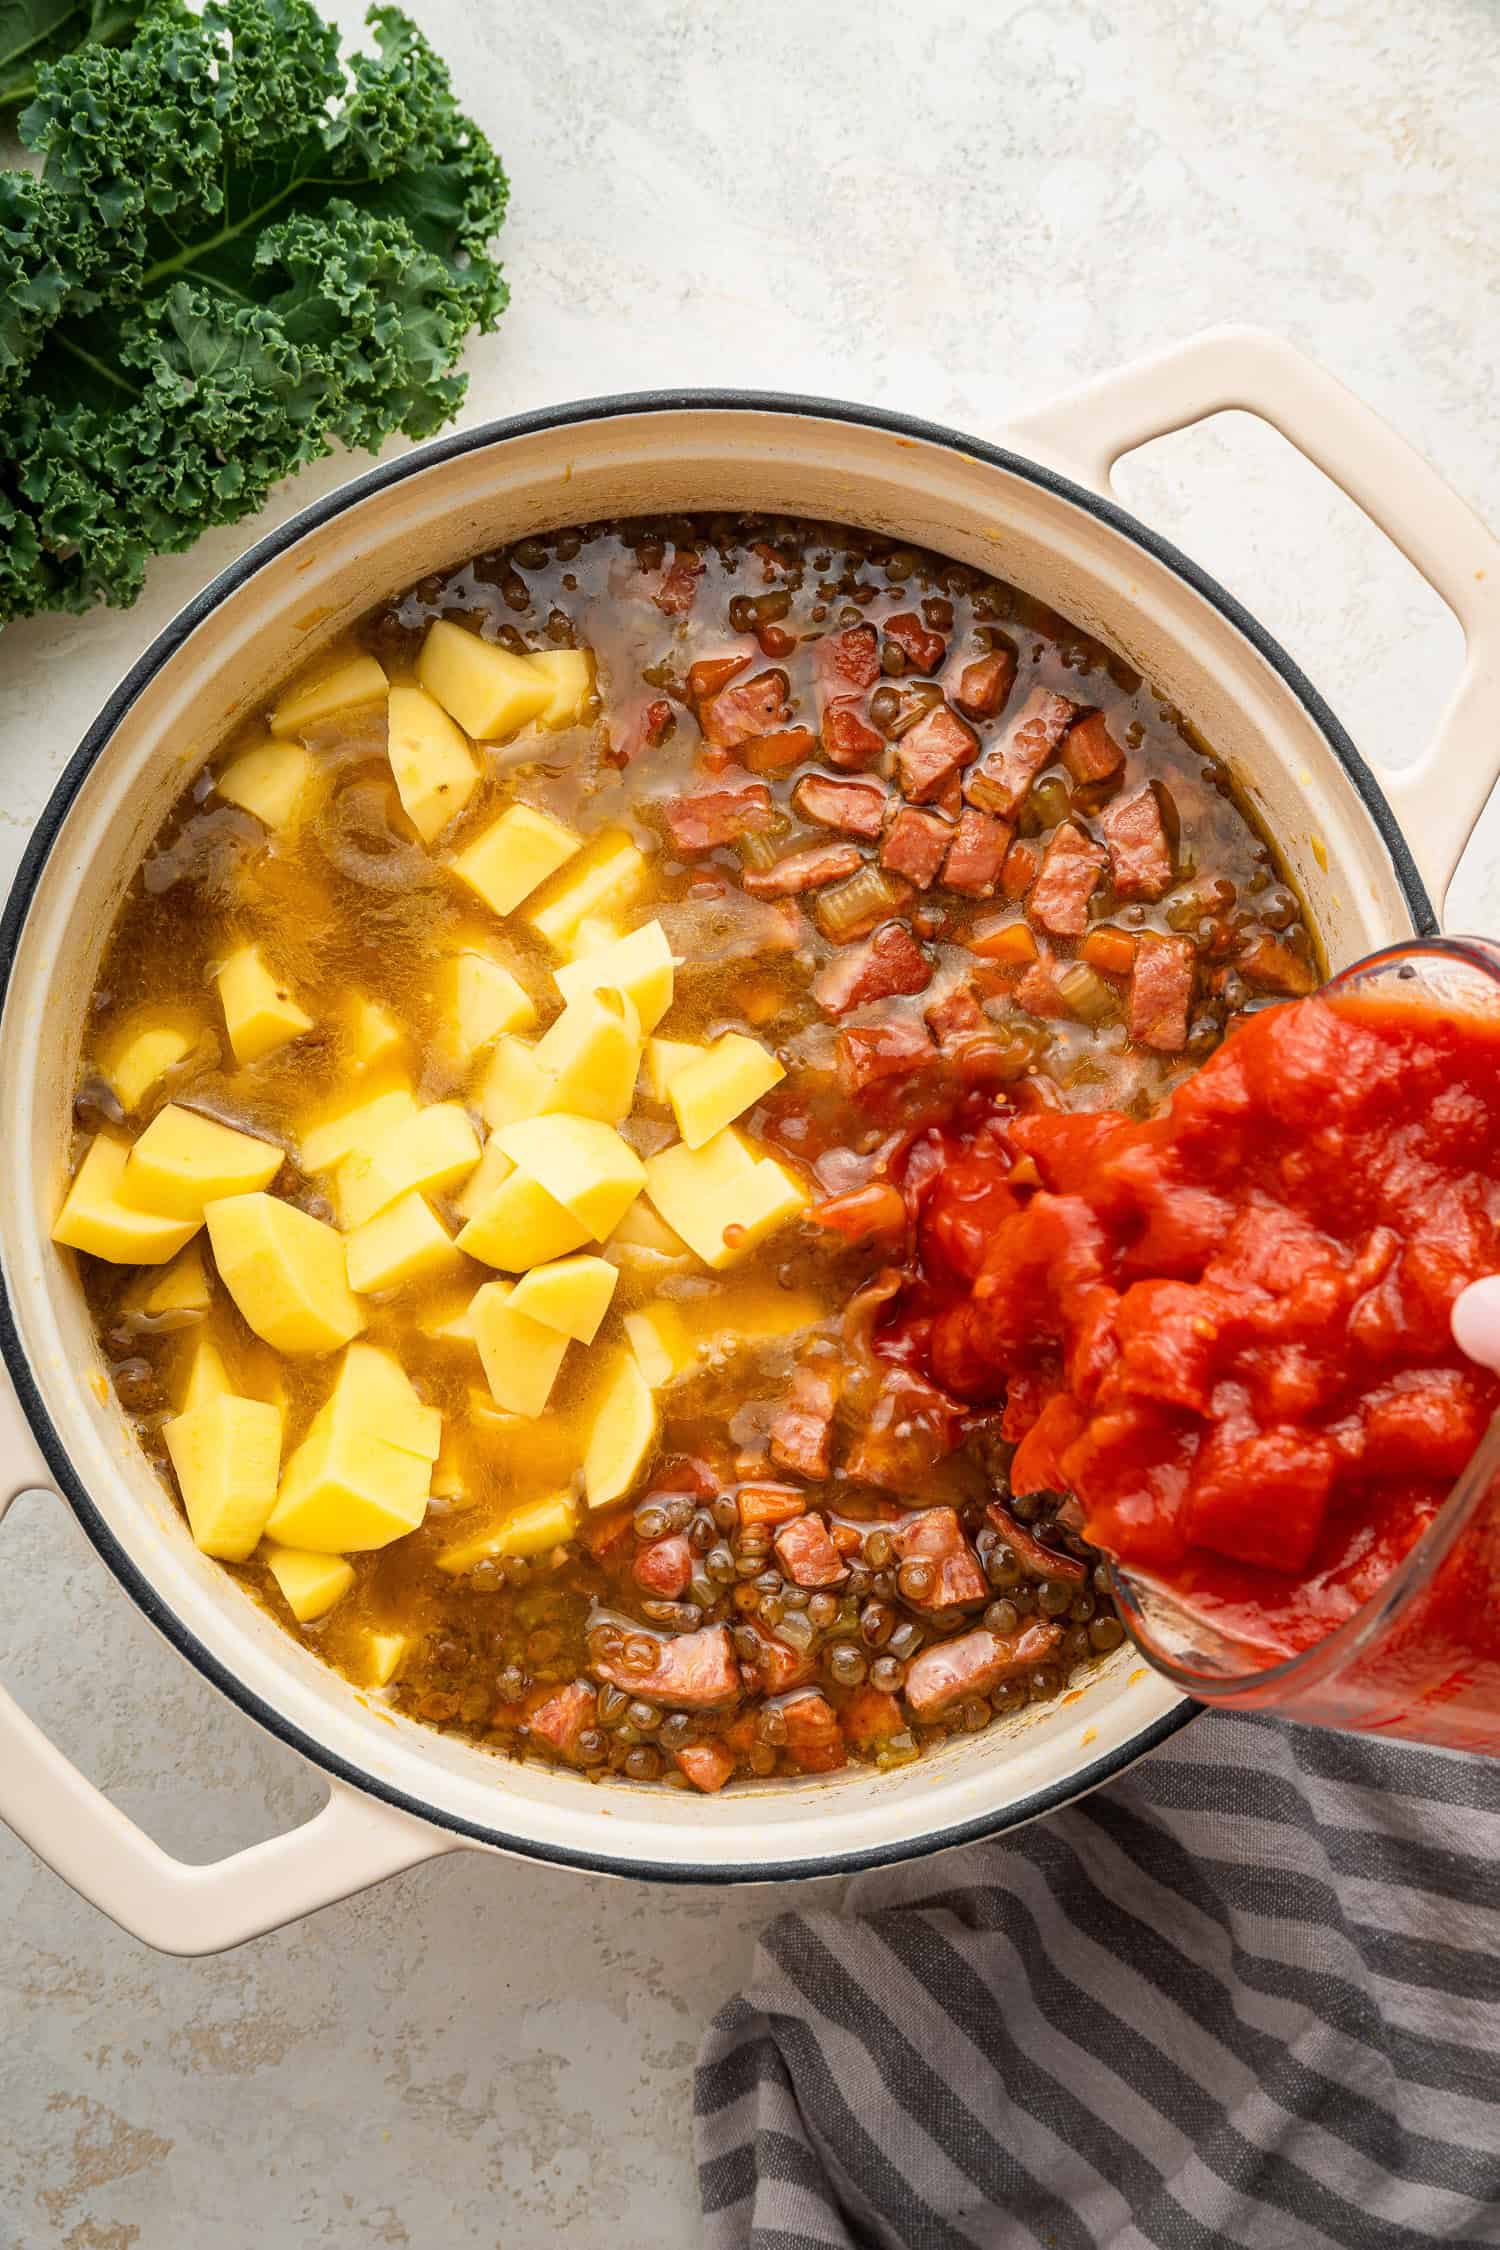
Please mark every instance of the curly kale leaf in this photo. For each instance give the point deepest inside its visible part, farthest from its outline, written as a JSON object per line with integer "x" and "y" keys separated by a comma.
{"x": 33, "y": 32}
{"x": 241, "y": 251}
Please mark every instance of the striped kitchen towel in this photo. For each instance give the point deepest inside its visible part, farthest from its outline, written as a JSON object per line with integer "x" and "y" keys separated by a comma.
{"x": 1248, "y": 1995}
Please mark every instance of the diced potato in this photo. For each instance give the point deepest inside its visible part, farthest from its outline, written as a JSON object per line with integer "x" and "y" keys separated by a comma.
{"x": 570, "y": 671}
{"x": 610, "y": 873}
{"x": 373, "y": 1396}
{"x": 429, "y": 1154}
{"x": 571, "y": 1295}
{"x": 643, "y": 1229}
{"x": 404, "y": 1243}
{"x": 521, "y": 1358}
{"x": 272, "y": 781}
{"x": 531, "y": 1530}
{"x": 146, "y": 1046}
{"x": 374, "y": 1034}
{"x": 347, "y": 685}
{"x": 94, "y": 1219}
{"x": 225, "y": 1453}
{"x": 261, "y": 1373}
{"x": 381, "y": 1657}
{"x": 593, "y": 934}
{"x": 592, "y": 1055}
{"x": 449, "y": 1322}
{"x": 286, "y": 1272}
{"x": 200, "y": 1375}
{"x": 183, "y": 1288}
{"x": 184, "y": 1161}
{"x": 260, "y": 1014}
{"x": 666, "y": 1059}
{"x": 513, "y": 856}
{"x": 521, "y": 1226}
{"x": 583, "y": 1164}
{"x": 435, "y": 770}
{"x": 623, "y": 1435}
{"x": 479, "y": 999}
{"x": 514, "y": 1086}
{"x": 448, "y": 1479}
{"x": 491, "y": 693}
{"x": 722, "y": 1198}
{"x": 310, "y": 1583}
{"x": 326, "y": 1139}
{"x": 662, "y": 1342}
{"x": 345, "y": 1490}
{"x": 720, "y": 1085}
{"x": 641, "y": 964}
{"x": 484, "y": 1182}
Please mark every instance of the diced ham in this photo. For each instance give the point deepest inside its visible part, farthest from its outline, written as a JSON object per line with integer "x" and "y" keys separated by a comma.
{"x": 813, "y": 1738}
{"x": 1161, "y": 992}
{"x": 1090, "y": 752}
{"x": 751, "y": 707}
{"x": 974, "y": 1664}
{"x": 803, "y": 871}
{"x": 677, "y": 591}
{"x": 985, "y": 685}
{"x": 934, "y": 750}
{"x": 561, "y": 1718}
{"x": 849, "y": 740}
{"x": 710, "y": 673}
{"x": 647, "y": 724}
{"x": 779, "y": 1664}
{"x": 845, "y": 664}
{"x": 871, "y": 1717}
{"x": 911, "y": 1427}
{"x": 937, "y": 1537}
{"x": 1018, "y": 869}
{"x": 802, "y": 1432}
{"x": 807, "y": 1555}
{"x": 694, "y": 1672}
{"x": 976, "y": 853}
{"x": 955, "y": 1015}
{"x": 888, "y": 963}
{"x": 915, "y": 845}
{"x": 665, "y": 1568}
{"x": 1140, "y": 854}
{"x": 707, "y": 819}
{"x": 779, "y": 752}
{"x": 856, "y": 807}
{"x": 708, "y": 1765}
{"x": 1273, "y": 967}
{"x": 922, "y": 648}
{"x": 1068, "y": 877}
{"x": 1037, "y": 991}
{"x": 769, "y": 1503}
{"x": 1007, "y": 769}
{"x": 869, "y": 1054}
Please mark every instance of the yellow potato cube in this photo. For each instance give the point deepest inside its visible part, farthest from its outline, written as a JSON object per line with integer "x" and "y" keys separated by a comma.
{"x": 448, "y": 1322}
{"x": 404, "y": 1243}
{"x": 94, "y": 1219}
{"x": 722, "y": 1198}
{"x": 592, "y": 1056}
{"x": 666, "y": 1059}
{"x": 260, "y": 1014}
{"x": 491, "y": 693}
{"x": 326, "y": 1139}
{"x": 310, "y": 1583}
{"x": 583, "y": 1165}
{"x": 662, "y": 1342}
{"x": 381, "y": 1657}
{"x": 430, "y": 1153}
{"x": 200, "y": 1375}
{"x": 435, "y": 770}
{"x": 508, "y": 860}
{"x": 607, "y": 876}
{"x": 225, "y": 1454}
{"x": 521, "y": 1226}
{"x": 571, "y": 1295}
{"x": 373, "y": 1034}
{"x": 143, "y": 1049}
{"x": 262, "y": 1374}
{"x": 710, "y": 1093}
{"x": 486, "y": 1180}
{"x": 344, "y": 1491}
{"x": 183, "y": 1288}
{"x": 373, "y": 1396}
{"x": 593, "y": 934}
{"x": 272, "y": 781}
{"x": 184, "y": 1161}
{"x": 359, "y": 680}
{"x": 570, "y": 672}
{"x": 642, "y": 1229}
{"x": 641, "y": 964}
{"x": 623, "y": 1434}
{"x": 514, "y": 1086}
{"x": 521, "y": 1358}
{"x": 480, "y": 999}
{"x": 531, "y": 1530}
{"x": 286, "y": 1271}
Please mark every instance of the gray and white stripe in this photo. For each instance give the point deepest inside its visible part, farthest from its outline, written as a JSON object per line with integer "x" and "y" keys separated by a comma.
{"x": 1248, "y": 1996}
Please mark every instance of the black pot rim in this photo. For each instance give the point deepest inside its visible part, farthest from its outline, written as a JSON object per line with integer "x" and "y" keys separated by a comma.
{"x": 94, "y": 742}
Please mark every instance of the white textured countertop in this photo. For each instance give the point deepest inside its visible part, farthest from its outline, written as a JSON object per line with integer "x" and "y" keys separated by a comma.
{"x": 945, "y": 210}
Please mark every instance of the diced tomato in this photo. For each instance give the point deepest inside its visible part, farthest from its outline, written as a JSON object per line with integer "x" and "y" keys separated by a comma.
{"x": 873, "y": 1213}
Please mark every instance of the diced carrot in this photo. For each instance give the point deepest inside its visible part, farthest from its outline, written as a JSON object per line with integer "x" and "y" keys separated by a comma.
{"x": 1010, "y": 943}
{"x": 770, "y": 1503}
{"x": 1110, "y": 950}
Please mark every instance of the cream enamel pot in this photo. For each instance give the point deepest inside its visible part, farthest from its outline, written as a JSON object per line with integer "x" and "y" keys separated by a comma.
{"x": 1372, "y": 866}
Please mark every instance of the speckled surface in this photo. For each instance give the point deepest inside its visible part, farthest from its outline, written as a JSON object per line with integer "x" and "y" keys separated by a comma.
{"x": 948, "y": 210}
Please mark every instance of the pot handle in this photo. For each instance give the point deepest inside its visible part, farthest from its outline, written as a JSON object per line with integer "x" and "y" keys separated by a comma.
{"x": 352, "y": 1842}
{"x": 1439, "y": 797}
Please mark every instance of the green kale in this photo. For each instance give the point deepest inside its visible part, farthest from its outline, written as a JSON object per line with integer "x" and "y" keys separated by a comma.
{"x": 241, "y": 250}
{"x": 33, "y": 32}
